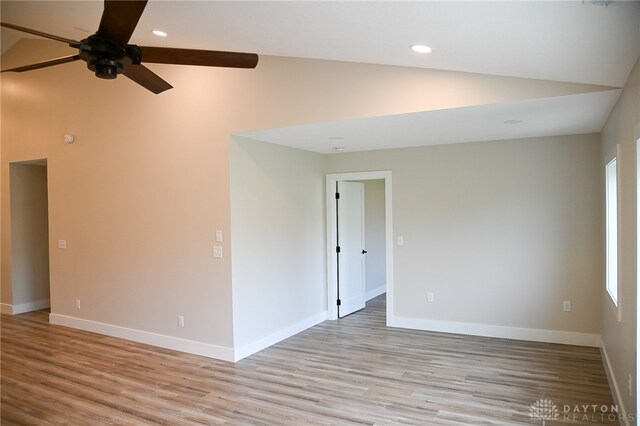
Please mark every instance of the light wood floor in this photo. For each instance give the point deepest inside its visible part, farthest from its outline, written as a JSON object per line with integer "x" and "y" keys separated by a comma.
{"x": 351, "y": 371}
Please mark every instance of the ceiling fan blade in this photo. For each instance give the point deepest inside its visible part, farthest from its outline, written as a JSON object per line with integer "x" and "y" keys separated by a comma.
{"x": 146, "y": 78}
{"x": 44, "y": 64}
{"x": 119, "y": 19}
{"x": 208, "y": 58}
{"x": 40, "y": 34}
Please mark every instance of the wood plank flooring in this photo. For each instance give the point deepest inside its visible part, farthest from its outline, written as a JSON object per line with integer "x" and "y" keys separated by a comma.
{"x": 354, "y": 371}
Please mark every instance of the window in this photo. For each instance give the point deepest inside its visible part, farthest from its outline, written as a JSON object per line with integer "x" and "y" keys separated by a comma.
{"x": 612, "y": 229}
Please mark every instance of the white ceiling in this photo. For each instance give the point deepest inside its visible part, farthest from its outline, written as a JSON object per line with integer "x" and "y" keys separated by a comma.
{"x": 563, "y": 115}
{"x": 571, "y": 41}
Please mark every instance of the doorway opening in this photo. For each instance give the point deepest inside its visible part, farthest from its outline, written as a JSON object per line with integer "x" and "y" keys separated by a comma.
{"x": 378, "y": 275}
{"x": 29, "y": 201}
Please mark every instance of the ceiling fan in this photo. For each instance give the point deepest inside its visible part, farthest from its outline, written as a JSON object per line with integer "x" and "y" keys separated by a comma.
{"x": 107, "y": 52}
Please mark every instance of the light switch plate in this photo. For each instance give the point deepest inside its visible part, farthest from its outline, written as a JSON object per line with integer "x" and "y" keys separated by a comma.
{"x": 62, "y": 244}
{"x": 219, "y": 236}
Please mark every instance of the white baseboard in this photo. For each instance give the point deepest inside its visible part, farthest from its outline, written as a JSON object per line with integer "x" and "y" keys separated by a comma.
{"x": 154, "y": 339}
{"x": 613, "y": 384}
{"x": 183, "y": 345}
{"x": 9, "y": 309}
{"x": 375, "y": 292}
{"x": 505, "y": 332}
{"x": 273, "y": 338}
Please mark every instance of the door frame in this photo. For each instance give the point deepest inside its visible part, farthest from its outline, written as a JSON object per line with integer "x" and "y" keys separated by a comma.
{"x": 332, "y": 267}
{"x": 14, "y": 308}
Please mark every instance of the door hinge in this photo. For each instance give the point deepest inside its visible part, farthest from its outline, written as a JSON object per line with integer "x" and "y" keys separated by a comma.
{"x": 337, "y": 249}
{"x": 337, "y": 195}
{"x": 339, "y": 302}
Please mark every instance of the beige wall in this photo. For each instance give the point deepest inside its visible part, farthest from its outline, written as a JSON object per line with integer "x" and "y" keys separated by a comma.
{"x": 30, "y": 234}
{"x": 501, "y": 232}
{"x": 623, "y": 127}
{"x": 140, "y": 194}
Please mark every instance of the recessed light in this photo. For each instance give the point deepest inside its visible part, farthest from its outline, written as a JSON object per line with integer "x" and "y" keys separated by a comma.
{"x": 513, "y": 121}
{"x": 421, "y": 48}
{"x": 159, "y": 33}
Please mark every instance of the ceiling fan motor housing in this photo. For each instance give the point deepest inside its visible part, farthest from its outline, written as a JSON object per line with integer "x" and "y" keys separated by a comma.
{"x": 105, "y": 68}
{"x": 106, "y": 58}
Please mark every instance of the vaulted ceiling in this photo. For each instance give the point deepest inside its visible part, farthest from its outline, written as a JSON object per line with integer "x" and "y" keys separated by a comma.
{"x": 595, "y": 43}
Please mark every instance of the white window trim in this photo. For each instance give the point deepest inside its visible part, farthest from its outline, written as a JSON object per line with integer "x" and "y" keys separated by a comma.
{"x": 617, "y": 307}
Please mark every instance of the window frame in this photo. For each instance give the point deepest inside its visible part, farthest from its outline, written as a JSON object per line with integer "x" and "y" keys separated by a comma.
{"x": 614, "y": 300}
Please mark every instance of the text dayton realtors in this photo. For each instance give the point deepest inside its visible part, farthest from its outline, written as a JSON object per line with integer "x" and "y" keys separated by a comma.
{"x": 593, "y": 413}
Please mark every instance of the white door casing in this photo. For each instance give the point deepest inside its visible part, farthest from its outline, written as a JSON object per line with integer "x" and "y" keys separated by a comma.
{"x": 332, "y": 283}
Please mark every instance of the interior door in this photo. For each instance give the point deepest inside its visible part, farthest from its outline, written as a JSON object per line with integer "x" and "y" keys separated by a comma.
{"x": 351, "y": 255}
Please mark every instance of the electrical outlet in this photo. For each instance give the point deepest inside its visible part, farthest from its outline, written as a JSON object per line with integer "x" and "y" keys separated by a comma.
{"x": 180, "y": 321}
{"x": 62, "y": 244}
{"x": 217, "y": 252}
{"x": 566, "y": 306}
{"x": 77, "y": 303}
{"x": 400, "y": 241}
{"x": 430, "y": 297}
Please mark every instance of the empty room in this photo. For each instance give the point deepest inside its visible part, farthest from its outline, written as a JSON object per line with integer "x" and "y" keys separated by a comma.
{"x": 319, "y": 212}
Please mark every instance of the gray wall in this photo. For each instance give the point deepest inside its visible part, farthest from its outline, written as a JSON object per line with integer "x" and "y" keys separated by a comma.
{"x": 501, "y": 232}
{"x": 623, "y": 127}
{"x": 277, "y": 221}
{"x": 375, "y": 272}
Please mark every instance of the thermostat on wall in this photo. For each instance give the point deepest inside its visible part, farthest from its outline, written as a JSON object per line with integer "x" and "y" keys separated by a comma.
{"x": 69, "y": 138}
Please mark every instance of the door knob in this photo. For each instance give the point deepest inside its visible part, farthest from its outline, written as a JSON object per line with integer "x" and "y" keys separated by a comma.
{"x": 364, "y": 252}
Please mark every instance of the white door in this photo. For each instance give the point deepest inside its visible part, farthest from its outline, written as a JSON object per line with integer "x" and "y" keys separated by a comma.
{"x": 350, "y": 211}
